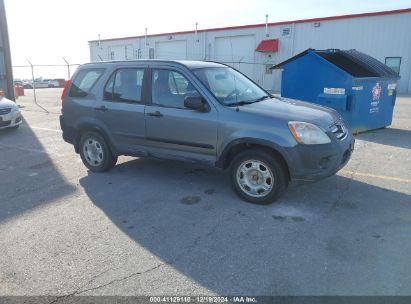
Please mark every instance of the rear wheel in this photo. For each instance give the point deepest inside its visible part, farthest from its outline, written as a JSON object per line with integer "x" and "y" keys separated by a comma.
{"x": 258, "y": 177}
{"x": 95, "y": 152}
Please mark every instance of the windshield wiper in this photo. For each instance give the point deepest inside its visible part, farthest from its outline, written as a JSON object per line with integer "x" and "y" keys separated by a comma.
{"x": 262, "y": 98}
{"x": 240, "y": 103}
{"x": 246, "y": 102}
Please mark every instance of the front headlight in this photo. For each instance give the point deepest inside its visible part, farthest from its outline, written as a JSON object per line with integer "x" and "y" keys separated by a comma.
{"x": 307, "y": 133}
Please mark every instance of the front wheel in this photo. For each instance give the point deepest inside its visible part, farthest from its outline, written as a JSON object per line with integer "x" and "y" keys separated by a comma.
{"x": 258, "y": 177}
{"x": 95, "y": 152}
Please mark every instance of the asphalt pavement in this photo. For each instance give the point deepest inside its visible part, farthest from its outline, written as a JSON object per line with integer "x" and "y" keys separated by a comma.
{"x": 151, "y": 227}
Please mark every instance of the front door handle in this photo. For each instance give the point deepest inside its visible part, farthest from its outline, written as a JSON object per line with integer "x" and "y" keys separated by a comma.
{"x": 155, "y": 114}
{"x": 102, "y": 108}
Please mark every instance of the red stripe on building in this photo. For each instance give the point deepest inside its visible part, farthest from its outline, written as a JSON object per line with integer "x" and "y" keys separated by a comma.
{"x": 399, "y": 11}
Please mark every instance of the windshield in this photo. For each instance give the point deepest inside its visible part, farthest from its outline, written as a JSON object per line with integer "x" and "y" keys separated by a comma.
{"x": 229, "y": 86}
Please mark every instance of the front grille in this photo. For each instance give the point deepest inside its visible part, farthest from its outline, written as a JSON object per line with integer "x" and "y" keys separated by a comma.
{"x": 5, "y": 123}
{"x": 338, "y": 129}
{"x": 5, "y": 111}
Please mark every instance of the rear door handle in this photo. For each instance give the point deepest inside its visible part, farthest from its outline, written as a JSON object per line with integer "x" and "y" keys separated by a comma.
{"x": 155, "y": 114}
{"x": 102, "y": 108}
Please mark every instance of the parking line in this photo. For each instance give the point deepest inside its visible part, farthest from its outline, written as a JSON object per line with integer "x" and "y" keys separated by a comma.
{"x": 398, "y": 179}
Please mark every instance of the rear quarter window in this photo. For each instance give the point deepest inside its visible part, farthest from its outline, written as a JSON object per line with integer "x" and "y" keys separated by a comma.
{"x": 84, "y": 81}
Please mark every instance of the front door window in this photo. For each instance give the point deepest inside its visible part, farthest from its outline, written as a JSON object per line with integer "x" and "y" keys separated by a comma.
{"x": 170, "y": 89}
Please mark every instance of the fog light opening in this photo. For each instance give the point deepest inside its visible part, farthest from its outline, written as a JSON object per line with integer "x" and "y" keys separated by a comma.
{"x": 324, "y": 162}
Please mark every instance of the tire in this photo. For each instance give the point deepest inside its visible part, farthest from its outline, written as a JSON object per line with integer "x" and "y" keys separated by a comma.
{"x": 258, "y": 177}
{"x": 95, "y": 152}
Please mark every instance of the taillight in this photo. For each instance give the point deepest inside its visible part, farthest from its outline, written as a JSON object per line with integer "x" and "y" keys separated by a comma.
{"x": 63, "y": 93}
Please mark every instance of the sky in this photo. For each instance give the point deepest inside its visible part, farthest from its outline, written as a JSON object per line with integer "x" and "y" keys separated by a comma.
{"x": 45, "y": 31}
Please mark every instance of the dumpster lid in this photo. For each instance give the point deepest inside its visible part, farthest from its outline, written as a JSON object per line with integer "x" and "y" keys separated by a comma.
{"x": 353, "y": 62}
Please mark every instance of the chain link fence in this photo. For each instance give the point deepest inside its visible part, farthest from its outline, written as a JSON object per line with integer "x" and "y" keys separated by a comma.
{"x": 33, "y": 78}
{"x": 39, "y": 76}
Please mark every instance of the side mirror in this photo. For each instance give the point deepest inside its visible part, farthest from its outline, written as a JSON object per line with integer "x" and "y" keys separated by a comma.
{"x": 196, "y": 103}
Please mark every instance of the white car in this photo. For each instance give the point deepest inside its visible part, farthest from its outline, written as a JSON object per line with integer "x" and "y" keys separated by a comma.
{"x": 41, "y": 84}
{"x": 10, "y": 115}
{"x": 53, "y": 83}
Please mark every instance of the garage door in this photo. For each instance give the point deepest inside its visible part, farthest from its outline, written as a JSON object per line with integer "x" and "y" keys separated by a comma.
{"x": 171, "y": 50}
{"x": 238, "y": 52}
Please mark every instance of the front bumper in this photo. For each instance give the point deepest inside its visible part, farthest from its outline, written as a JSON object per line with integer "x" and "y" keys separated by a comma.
{"x": 11, "y": 120}
{"x": 311, "y": 163}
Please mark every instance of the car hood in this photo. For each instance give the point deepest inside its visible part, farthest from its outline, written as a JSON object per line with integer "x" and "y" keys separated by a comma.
{"x": 293, "y": 110}
{"x": 7, "y": 103}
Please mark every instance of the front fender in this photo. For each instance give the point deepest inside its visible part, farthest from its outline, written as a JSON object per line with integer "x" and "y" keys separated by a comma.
{"x": 271, "y": 141}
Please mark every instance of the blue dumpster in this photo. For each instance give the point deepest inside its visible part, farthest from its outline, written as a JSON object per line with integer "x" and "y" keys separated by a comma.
{"x": 359, "y": 87}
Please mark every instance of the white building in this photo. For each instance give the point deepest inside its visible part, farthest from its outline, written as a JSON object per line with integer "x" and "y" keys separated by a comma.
{"x": 254, "y": 48}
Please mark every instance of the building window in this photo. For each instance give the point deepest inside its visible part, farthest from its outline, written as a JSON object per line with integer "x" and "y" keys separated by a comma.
{"x": 394, "y": 63}
{"x": 268, "y": 70}
{"x": 286, "y": 31}
{"x": 138, "y": 54}
{"x": 151, "y": 53}
{"x": 112, "y": 55}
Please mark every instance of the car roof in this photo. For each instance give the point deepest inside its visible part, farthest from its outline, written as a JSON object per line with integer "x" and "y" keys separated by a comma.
{"x": 191, "y": 64}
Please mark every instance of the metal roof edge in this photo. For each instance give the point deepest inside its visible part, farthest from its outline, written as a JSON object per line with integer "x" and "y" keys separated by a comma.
{"x": 370, "y": 14}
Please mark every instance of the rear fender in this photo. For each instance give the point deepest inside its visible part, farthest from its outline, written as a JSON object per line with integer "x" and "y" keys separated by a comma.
{"x": 95, "y": 126}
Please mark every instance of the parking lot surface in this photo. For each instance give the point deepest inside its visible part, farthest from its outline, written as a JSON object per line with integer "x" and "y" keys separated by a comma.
{"x": 151, "y": 227}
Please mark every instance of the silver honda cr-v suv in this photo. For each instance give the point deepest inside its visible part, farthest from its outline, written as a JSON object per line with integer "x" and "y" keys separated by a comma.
{"x": 201, "y": 112}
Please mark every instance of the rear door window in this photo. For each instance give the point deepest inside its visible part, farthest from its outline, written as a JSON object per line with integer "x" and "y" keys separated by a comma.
{"x": 84, "y": 81}
{"x": 125, "y": 85}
